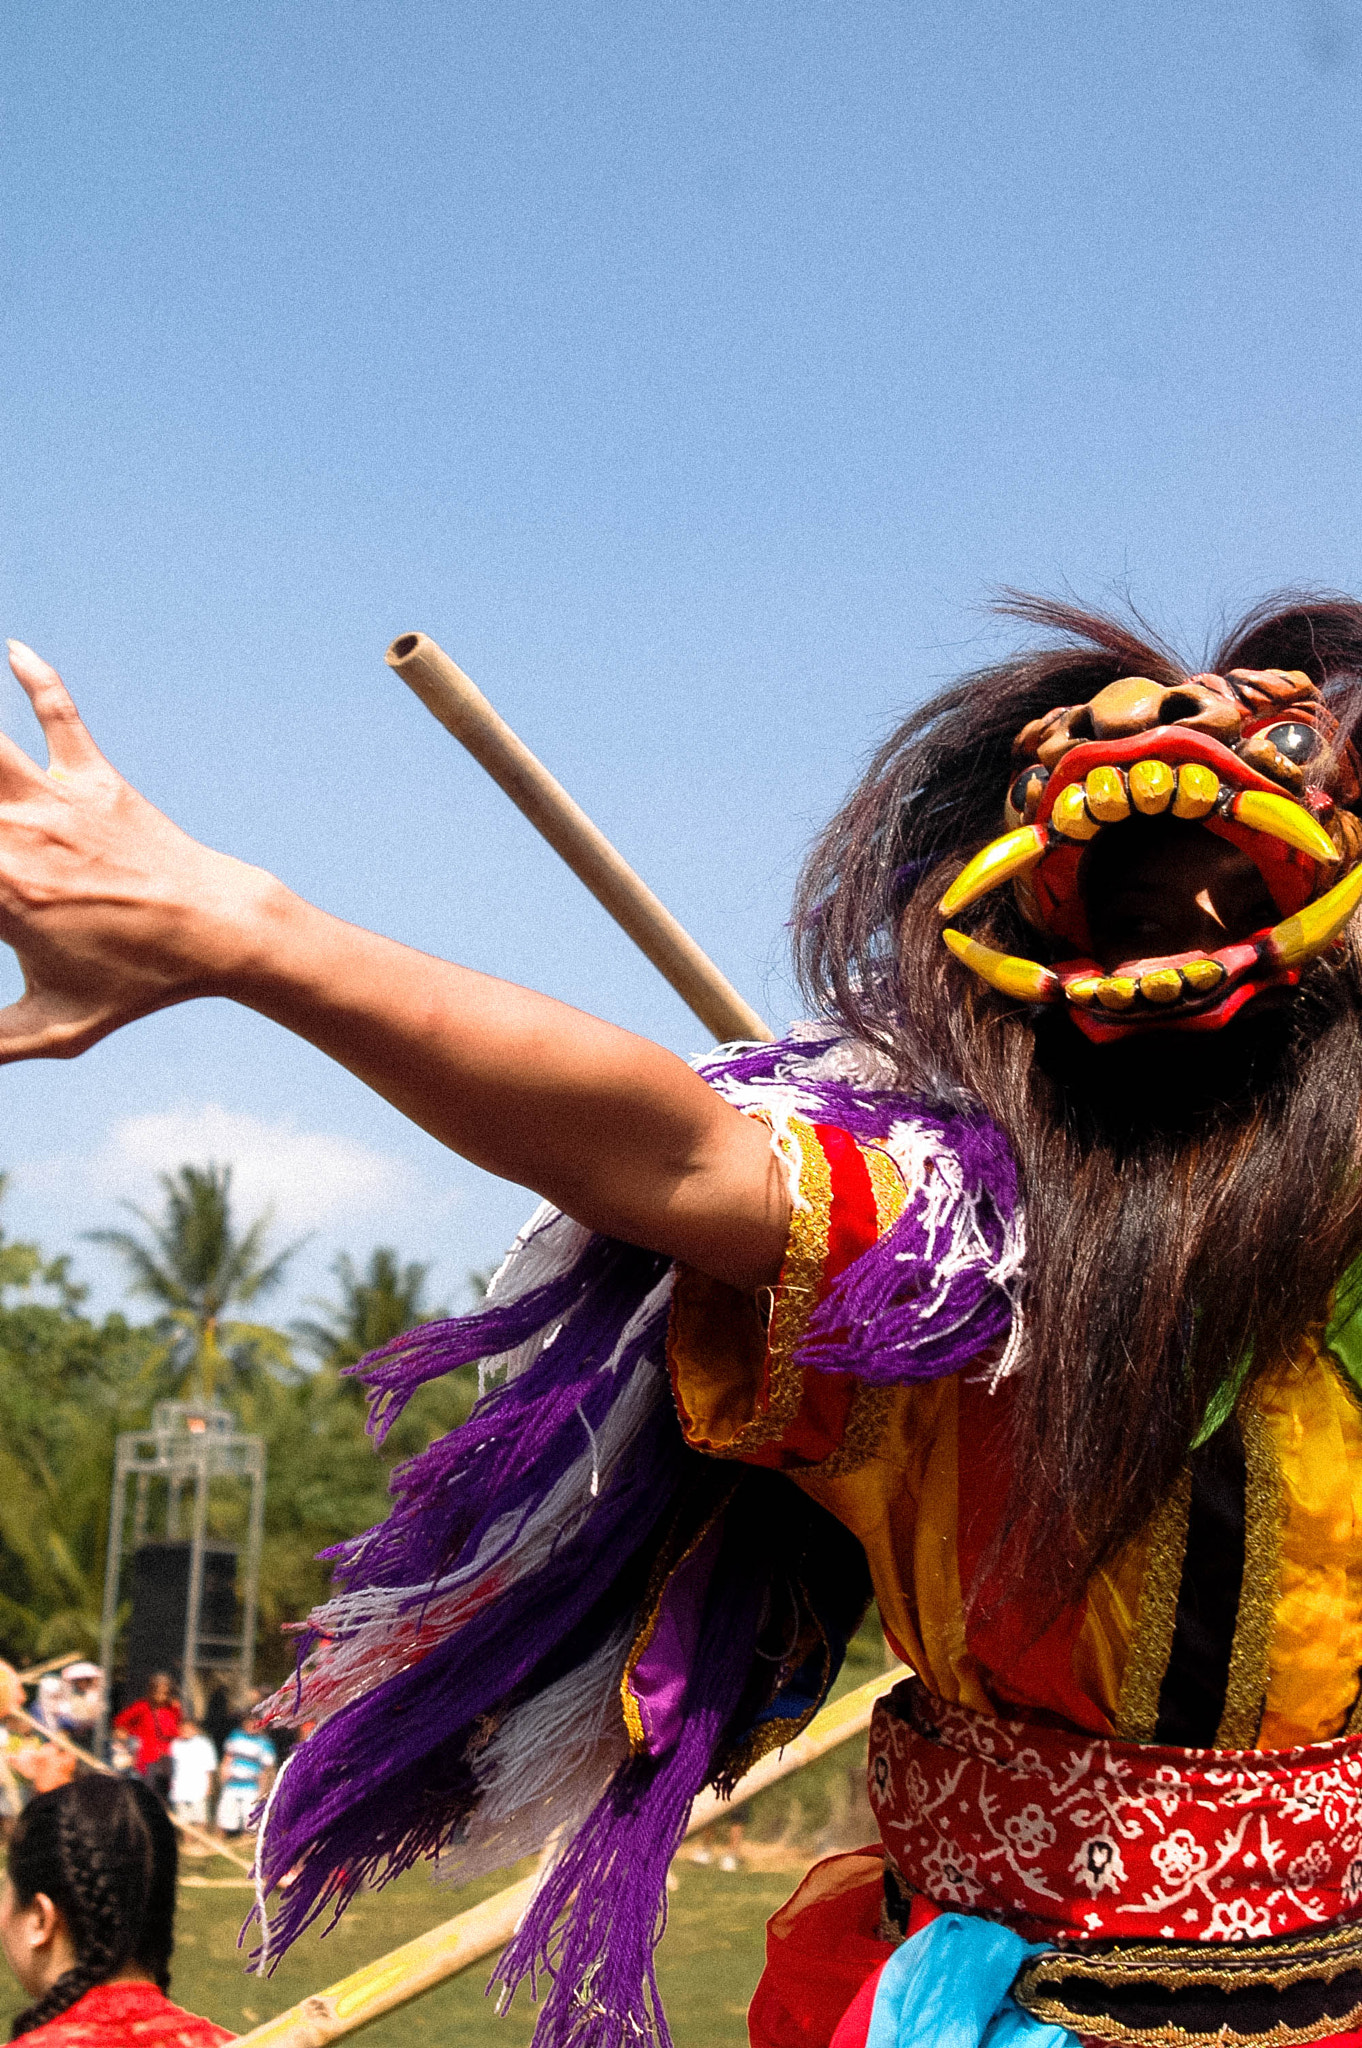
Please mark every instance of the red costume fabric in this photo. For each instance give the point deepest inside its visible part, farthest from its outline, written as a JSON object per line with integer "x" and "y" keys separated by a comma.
{"x": 825, "y": 1950}
{"x": 130, "y": 2015}
{"x": 1070, "y": 1838}
{"x": 821, "y": 1947}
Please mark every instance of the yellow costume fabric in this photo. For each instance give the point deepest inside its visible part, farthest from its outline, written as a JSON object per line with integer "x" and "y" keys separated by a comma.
{"x": 917, "y": 1472}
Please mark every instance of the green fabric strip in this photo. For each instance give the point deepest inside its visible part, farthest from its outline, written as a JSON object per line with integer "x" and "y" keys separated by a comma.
{"x": 1221, "y": 1405}
{"x": 1343, "y": 1331}
{"x": 1342, "y": 1337}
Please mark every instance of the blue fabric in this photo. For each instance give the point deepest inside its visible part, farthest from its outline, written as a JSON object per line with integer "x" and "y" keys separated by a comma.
{"x": 948, "y": 1986}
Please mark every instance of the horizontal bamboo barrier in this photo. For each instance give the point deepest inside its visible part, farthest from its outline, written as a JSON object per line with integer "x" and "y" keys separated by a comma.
{"x": 419, "y": 1965}
{"x": 462, "y": 709}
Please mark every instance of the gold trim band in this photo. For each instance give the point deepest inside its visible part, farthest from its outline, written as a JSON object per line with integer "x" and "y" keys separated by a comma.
{"x": 1271, "y": 1968}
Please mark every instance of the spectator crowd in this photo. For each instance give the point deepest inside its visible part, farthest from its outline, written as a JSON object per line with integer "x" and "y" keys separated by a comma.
{"x": 210, "y": 1774}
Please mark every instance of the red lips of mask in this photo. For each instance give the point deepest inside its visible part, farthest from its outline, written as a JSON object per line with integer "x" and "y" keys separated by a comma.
{"x": 1177, "y": 869}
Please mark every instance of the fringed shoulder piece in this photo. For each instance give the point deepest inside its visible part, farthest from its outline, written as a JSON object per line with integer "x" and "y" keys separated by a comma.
{"x": 467, "y": 1675}
{"x": 939, "y": 1290}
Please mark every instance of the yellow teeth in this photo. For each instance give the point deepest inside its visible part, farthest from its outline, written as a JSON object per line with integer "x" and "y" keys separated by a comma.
{"x": 1161, "y": 985}
{"x": 1011, "y": 855}
{"x": 1151, "y": 787}
{"x": 1027, "y": 980}
{"x": 1105, "y": 791}
{"x": 1298, "y": 939}
{"x": 1070, "y": 814}
{"x": 1198, "y": 788}
{"x": 1263, "y": 812}
{"x": 1106, "y": 795}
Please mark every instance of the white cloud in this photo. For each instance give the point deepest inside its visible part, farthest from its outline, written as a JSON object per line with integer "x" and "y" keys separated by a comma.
{"x": 310, "y": 1178}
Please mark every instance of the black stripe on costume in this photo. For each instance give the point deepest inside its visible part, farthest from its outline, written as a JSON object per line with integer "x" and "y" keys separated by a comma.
{"x": 1192, "y": 1695}
{"x": 1204, "y": 2015}
{"x": 1301, "y": 1987}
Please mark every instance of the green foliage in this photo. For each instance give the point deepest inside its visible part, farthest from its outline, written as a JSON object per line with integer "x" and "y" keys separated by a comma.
{"x": 69, "y": 1385}
{"x": 374, "y": 1306}
{"x": 198, "y": 1269}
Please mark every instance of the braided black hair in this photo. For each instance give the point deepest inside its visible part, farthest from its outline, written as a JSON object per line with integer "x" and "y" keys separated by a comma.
{"x": 103, "y": 1850}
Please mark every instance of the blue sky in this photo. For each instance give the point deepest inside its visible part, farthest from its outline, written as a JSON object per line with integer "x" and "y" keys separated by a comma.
{"x": 694, "y": 373}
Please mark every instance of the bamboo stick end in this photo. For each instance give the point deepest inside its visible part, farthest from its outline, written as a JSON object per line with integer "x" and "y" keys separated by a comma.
{"x": 403, "y": 648}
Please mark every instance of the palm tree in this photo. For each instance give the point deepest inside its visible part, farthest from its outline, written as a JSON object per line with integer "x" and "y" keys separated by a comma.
{"x": 199, "y": 1269}
{"x": 374, "y": 1306}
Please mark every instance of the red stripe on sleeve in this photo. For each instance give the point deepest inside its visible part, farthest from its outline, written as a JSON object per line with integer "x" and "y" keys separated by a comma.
{"x": 853, "y": 1224}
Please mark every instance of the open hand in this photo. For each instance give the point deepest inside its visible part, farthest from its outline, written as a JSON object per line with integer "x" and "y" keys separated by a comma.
{"x": 112, "y": 910}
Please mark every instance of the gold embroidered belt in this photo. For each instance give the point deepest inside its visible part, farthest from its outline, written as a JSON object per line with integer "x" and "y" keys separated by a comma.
{"x": 1307, "y": 1987}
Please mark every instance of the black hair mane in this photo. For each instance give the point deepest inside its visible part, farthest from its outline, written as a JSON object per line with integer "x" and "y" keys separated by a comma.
{"x": 1189, "y": 1202}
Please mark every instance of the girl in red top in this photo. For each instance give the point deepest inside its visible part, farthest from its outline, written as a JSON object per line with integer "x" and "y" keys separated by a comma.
{"x": 87, "y": 1920}
{"x": 152, "y": 1724}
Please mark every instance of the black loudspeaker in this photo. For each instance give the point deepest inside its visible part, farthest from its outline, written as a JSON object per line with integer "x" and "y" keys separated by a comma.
{"x": 160, "y": 1602}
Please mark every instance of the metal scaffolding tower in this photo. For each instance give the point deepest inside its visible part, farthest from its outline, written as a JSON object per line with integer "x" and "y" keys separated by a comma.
{"x": 167, "y": 1474}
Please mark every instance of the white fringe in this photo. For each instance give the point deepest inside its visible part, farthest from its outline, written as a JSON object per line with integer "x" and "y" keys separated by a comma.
{"x": 932, "y": 1172}
{"x": 777, "y": 1102}
{"x": 548, "y": 1245}
{"x": 545, "y": 1767}
{"x": 384, "y": 1629}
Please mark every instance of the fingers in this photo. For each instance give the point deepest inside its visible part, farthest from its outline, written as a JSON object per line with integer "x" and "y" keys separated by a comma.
{"x": 69, "y": 745}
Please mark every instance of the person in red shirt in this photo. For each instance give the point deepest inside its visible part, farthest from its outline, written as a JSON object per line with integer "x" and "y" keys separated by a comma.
{"x": 87, "y": 1920}
{"x": 153, "y": 1723}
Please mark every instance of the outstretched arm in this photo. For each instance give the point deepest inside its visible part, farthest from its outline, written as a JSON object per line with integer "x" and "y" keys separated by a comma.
{"x": 114, "y": 912}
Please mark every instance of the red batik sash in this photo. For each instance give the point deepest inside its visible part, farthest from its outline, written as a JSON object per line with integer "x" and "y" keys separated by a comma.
{"x": 1075, "y": 1838}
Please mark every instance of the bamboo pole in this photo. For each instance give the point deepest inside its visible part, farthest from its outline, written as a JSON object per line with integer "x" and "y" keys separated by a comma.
{"x": 92, "y": 1763}
{"x": 837, "y": 1723}
{"x": 37, "y": 1671}
{"x": 462, "y": 709}
{"x": 418, "y": 1966}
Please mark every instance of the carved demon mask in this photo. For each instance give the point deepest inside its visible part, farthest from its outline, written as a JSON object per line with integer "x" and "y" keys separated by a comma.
{"x": 1181, "y": 848}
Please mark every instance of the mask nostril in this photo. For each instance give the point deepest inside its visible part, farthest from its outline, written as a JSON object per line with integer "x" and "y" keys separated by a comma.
{"x": 1081, "y": 726}
{"x": 1180, "y": 704}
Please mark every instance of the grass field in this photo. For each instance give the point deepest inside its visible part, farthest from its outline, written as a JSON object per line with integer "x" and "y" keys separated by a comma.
{"x": 709, "y": 1961}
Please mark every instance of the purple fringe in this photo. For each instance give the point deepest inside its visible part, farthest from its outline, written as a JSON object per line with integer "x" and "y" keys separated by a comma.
{"x": 370, "y": 1791}
{"x": 393, "y": 1373}
{"x": 388, "y": 1776}
{"x": 595, "y": 1922}
{"x": 388, "y": 1788}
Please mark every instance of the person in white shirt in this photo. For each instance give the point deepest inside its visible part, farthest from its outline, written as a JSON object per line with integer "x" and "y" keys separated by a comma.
{"x": 79, "y": 1716}
{"x": 193, "y": 1760}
